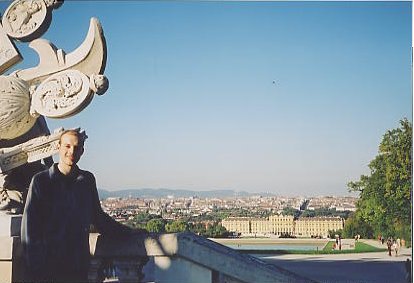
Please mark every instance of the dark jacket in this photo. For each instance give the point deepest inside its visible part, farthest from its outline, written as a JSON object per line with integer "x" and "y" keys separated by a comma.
{"x": 56, "y": 221}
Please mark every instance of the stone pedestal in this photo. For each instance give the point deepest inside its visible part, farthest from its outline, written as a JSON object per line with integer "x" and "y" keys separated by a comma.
{"x": 11, "y": 264}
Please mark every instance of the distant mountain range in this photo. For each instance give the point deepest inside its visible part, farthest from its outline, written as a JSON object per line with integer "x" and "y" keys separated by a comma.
{"x": 159, "y": 193}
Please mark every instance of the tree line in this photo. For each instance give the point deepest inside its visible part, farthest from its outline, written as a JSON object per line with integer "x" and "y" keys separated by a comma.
{"x": 155, "y": 223}
{"x": 317, "y": 212}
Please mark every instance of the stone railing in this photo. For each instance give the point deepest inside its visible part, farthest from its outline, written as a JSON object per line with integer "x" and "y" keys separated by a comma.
{"x": 161, "y": 258}
{"x": 181, "y": 258}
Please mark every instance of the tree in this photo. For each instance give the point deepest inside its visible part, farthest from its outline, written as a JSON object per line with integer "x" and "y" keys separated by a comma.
{"x": 291, "y": 211}
{"x": 333, "y": 233}
{"x": 176, "y": 226}
{"x": 156, "y": 225}
{"x": 140, "y": 220}
{"x": 357, "y": 226}
{"x": 198, "y": 228}
{"x": 308, "y": 213}
{"x": 385, "y": 194}
{"x": 216, "y": 231}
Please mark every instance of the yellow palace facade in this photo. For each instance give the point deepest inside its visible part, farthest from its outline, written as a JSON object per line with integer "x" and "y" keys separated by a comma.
{"x": 283, "y": 224}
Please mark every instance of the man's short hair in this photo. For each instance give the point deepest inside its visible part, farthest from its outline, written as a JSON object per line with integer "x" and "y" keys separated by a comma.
{"x": 81, "y": 135}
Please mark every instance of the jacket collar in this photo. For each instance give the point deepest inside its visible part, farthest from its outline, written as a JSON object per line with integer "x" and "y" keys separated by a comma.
{"x": 54, "y": 172}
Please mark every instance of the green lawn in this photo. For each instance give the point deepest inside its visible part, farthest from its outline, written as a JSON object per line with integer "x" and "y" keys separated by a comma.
{"x": 359, "y": 248}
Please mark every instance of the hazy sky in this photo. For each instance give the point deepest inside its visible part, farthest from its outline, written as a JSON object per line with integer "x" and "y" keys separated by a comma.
{"x": 284, "y": 97}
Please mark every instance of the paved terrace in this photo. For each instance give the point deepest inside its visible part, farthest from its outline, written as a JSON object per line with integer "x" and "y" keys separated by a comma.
{"x": 375, "y": 267}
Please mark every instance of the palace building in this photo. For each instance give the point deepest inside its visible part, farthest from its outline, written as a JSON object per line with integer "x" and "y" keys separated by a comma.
{"x": 317, "y": 226}
{"x": 237, "y": 224}
{"x": 259, "y": 226}
{"x": 283, "y": 224}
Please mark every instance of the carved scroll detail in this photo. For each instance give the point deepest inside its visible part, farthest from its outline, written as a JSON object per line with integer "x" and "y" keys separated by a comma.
{"x": 30, "y": 151}
{"x": 25, "y": 19}
{"x": 62, "y": 95}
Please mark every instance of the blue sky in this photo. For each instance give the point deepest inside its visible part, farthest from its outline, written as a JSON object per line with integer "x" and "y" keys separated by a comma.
{"x": 284, "y": 97}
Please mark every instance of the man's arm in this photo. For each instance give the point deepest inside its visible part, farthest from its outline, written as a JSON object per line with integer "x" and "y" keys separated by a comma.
{"x": 105, "y": 224}
{"x": 31, "y": 233}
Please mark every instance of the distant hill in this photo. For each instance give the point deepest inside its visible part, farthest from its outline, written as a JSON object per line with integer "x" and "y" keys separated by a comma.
{"x": 159, "y": 193}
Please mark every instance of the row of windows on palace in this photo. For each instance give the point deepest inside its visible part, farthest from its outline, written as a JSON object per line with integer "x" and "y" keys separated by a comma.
{"x": 281, "y": 224}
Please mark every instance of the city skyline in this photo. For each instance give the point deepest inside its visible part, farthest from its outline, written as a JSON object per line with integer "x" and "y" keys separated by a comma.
{"x": 290, "y": 98}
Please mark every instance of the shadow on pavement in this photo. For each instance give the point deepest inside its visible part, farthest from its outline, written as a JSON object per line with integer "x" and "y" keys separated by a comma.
{"x": 345, "y": 271}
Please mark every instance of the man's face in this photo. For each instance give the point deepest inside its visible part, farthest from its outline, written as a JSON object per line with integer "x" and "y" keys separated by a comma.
{"x": 70, "y": 149}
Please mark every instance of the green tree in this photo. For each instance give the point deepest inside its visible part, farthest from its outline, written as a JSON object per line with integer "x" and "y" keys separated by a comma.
{"x": 176, "y": 226}
{"x": 354, "y": 226}
{"x": 385, "y": 194}
{"x": 291, "y": 211}
{"x": 156, "y": 225}
{"x": 332, "y": 233}
{"x": 216, "y": 231}
{"x": 308, "y": 213}
{"x": 198, "y": 228}
{"x": 140, "y": 220}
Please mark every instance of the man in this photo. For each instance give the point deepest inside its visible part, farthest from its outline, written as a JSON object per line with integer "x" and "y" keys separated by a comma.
{"x": 61, "y": 205}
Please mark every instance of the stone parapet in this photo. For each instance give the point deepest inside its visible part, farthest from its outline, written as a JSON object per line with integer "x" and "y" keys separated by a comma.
{"x": 181, "y": 257}
{"x": 11, "y": 267}
{"x": 10, "y": 225}
{"x": 161, "y": 258}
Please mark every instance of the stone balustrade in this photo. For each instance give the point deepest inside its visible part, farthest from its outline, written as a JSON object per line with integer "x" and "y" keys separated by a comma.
{"x": 181, "y": 257}
{"x": 162, "y": 258}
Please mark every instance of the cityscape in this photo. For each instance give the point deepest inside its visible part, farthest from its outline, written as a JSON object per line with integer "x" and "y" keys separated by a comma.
{"x": 175, "y": 207}
{"x": 256, "y": 215}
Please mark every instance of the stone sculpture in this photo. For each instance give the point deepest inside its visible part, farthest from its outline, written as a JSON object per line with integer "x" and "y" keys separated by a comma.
{"x": 60, "y": 86}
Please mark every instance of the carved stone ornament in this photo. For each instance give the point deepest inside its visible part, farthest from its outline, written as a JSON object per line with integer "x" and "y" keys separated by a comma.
{"x": 15, "y": 118}
{"x": 30, "y": 151}
{"x": 62, "y": 95}
{"x": 99, "y": 84}
{"x": 53, "y": 3}
{"x": 26, "y": 20}
{"x": 8, "y": 52}
{"x": 89, "y": 57}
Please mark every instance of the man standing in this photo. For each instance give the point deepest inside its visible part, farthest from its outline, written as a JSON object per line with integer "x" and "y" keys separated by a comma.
{"x": 61, "y": 205}
{"x": 389, "y": 245}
